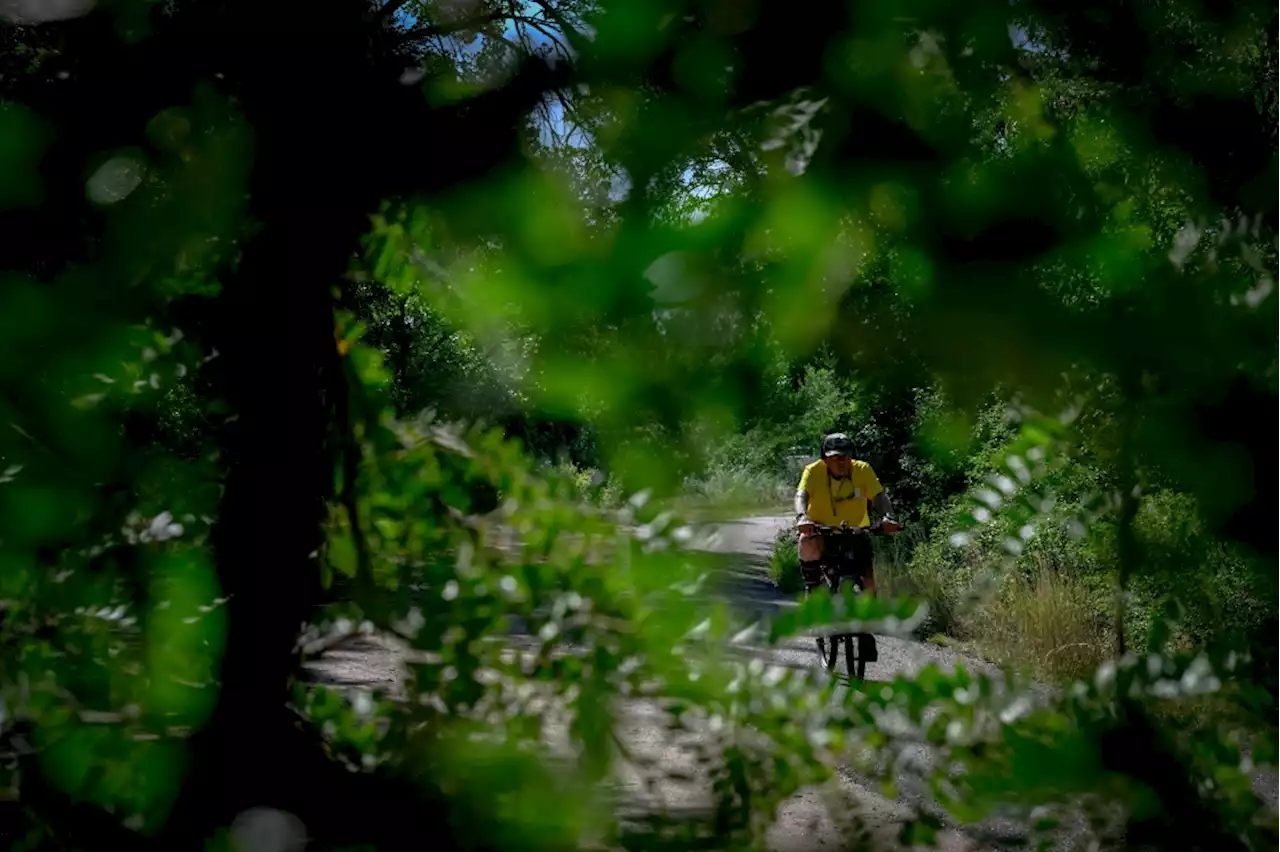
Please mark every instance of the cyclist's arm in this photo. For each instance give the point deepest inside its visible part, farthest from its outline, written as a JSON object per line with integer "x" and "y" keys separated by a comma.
{"x": 879, "y": 497}
{"x": 802, "y": 498}
{"x": 802, "y": 505}
{"x": 881, "y": 504}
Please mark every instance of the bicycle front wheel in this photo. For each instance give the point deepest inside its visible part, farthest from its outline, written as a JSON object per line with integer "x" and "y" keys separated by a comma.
{"x": 828, "y": 652}
{"x": 828, "y": 648}
{"x": 854, "y": 664}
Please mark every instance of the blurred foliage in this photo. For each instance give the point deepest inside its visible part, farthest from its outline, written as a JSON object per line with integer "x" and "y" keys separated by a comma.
{"x": 784, "y": 562}
{"x": 414, "y": 319}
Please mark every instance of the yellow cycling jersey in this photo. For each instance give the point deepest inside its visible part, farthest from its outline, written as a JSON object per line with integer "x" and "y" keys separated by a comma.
{"x": 834, "y": 500}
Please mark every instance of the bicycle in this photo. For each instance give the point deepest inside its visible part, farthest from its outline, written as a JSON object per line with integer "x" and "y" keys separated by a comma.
{"x": 833, "y": 569}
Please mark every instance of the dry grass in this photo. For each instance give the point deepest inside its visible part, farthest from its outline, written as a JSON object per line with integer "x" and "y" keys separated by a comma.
{"x": 1044, "y": 623}
{"x": 1048, "y": 622}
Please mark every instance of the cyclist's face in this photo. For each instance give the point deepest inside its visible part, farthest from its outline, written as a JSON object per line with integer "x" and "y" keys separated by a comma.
{"x": 838, "y": 466}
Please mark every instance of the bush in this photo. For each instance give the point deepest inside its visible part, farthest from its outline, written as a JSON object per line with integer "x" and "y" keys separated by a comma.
{"x": 784, "y": 562}
{"x": 1220, "y": 588}
{"x": 1047, "y": 623}
{"x": 896, "y": 576}
{"x": 1051, "y": 613}
{"x": 904, "y": 569}
{"x": 592, "y": 485}
{"x": 758, "y": 466}
{"x": 743, "y": 486}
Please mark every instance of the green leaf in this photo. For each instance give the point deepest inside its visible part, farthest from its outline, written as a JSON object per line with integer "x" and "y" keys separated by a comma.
{"x": 23, "y": 138}
{"x": 341, "y": 554}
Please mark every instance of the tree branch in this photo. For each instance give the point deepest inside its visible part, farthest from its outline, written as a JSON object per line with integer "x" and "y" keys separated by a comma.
{"x": 562, "y": 49}
{"x": 461, "y": 151}
{"x": 389, "y": 9}
{"x": 571, "y": 35}
{"x": 416, "y": 34}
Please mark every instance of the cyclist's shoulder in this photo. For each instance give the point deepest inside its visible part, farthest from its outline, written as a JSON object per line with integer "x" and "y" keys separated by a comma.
{"x": 813, "y": 469}
{"x": 859, "y": 464}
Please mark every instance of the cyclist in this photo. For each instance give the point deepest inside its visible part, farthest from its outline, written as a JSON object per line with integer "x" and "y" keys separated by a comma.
{"x": 838, "y": 488}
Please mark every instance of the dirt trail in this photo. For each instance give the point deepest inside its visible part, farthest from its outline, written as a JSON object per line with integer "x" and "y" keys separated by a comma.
{"x": 805, "y": 821}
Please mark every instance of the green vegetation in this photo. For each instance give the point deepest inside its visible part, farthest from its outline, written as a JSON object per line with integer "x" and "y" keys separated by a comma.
{"x": 1049, "y": 607}
{"x": 784, "y": 564}
{"x": 433, "y": 321}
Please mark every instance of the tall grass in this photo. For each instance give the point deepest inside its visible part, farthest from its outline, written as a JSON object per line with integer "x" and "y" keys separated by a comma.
{"x": 743, "y": 488}
{"x": 1051, "y": 615}
{"x": 1045, "y": 622}
{"x": 1041, "y": 620}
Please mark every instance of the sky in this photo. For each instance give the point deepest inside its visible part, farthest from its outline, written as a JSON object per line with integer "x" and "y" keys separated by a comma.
{"x": 555, "y": 127}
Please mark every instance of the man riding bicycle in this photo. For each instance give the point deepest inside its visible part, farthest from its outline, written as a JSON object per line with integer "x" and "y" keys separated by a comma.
{"x": 837, "y": 489}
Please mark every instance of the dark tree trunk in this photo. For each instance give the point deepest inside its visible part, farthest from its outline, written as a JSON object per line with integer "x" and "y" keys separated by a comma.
{"x": 322, "y": 127}
{"x": 277, "y": 339}
{"x": 280, "y": 372}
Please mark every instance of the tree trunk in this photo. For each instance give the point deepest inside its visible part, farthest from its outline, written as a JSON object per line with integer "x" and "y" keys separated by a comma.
{"x": 280, "y": 371}
{"x": 276, "y": 336}
{"x": 325, "y": 106}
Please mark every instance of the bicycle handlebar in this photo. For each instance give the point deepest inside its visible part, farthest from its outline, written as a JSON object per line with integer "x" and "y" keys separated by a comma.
{"x": 878, "y": 528}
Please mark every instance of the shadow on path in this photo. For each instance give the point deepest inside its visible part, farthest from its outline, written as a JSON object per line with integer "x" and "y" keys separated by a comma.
{"x": 742, "y": 581}
{"x": 739, "y": 579}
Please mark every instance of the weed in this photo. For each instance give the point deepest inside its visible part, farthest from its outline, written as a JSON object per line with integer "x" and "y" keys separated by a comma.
{"x": 784, "y": 562}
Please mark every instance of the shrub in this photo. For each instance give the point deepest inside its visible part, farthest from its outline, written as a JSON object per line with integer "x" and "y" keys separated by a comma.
{"x": 757, "y": 466}
{"x": 592, "y": 485}
{"x": 897, "y": 575}
{"x": 784, "y": 562}
{"x": 906, "y": 568}
{"x": 742, "y": 486}
{"x": 1052, "y": 614}
{"x": 1220, "y": 588}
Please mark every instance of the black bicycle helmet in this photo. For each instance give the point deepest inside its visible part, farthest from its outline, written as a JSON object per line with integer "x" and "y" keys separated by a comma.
{"x": 837, "y": 444}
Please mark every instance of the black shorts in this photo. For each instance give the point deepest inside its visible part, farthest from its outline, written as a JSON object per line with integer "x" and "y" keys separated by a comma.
{"x": 851, "y": 557}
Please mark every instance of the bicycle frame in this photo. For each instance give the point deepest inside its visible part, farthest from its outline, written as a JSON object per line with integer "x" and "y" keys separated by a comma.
{"x": 835, "y": 558}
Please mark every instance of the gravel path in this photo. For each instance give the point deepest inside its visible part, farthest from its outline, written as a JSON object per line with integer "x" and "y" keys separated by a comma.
{"x": 804, "y": 822}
